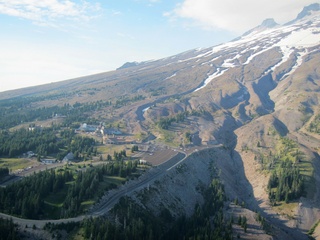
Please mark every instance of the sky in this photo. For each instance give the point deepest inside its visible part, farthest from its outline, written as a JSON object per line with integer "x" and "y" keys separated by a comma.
{"x": 44, "y": 41}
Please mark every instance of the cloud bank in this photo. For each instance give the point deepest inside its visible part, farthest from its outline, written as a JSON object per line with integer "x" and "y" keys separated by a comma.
{"x": 238, "y": 16}
{"x": 48, "y": 12}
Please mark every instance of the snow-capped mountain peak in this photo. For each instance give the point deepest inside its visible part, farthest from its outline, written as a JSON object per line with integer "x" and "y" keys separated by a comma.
{"x": 287, "y": 44}
{"x": 308, "y": 10}
{"x": 269, "y": 23}
{"x": 266, "y": 24}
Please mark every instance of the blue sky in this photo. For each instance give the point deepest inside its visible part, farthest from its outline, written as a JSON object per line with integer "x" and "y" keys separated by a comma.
{"x": 53, "y": 40}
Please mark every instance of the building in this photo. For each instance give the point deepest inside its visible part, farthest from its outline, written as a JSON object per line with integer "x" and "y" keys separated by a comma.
{"x": 110, "y": 131}
{"x": 143, "y": 162}
{"x": 68, "y": 158}
{"x": 48, "y": 161}
{"x": 29, "y": 154}
{"x": 87, "y": 128}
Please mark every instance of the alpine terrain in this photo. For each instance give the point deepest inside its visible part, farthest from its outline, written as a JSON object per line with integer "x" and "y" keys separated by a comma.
{"x": 241, "y": 119}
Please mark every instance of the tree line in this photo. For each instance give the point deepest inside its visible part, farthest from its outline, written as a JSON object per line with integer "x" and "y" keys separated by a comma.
{"x": 285, "y": 183}
{"x": 21, "y": 111}
{"x": 314, "y": 126}
{"x": 27, "y": 198}
{"x": 4, "y": 172}
{"x": 134, "y": 222}
{"x": 46, "y": 141}
{"x": 165, "y": 122}
{"x": 8, "y": 230}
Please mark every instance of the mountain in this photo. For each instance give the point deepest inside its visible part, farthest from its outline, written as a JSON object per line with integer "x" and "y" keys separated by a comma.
{"x": 307, "y": 11}
{"x": 250, "y": 105}
{"x": 266, "y": 24}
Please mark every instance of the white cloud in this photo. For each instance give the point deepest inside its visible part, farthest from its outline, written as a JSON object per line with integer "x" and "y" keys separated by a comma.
{"x": 238, "y": 16}
{"x": 48, "y": 12}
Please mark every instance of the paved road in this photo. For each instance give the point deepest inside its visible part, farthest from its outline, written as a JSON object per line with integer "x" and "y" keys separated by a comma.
{"x": 108, "y": 201}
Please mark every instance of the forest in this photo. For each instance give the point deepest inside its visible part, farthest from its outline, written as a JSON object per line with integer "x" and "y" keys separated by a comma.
{"x": 46, "y": 141}
{"x": 16, "y": 111}
{"x": 8, "y": 230}
{"x": 61, "y": 193}
{"x": 131, "y": 221}
{"x": 19, "y": 110}
{"x": 285, "y": 183}
{"x": 4, "y": 172}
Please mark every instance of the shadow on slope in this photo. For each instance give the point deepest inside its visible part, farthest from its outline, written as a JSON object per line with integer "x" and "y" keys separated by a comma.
{"x": 262, "y": 89}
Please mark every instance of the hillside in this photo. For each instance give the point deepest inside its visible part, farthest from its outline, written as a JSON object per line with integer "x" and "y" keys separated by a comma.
{"x": 250, "y": 105}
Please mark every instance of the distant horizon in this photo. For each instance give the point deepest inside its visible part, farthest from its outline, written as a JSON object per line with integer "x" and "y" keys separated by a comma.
{"x": 56, "y": 41}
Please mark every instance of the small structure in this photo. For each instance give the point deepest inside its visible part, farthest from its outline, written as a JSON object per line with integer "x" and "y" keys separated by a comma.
{"x": 58, "y": 115}
{"x": 48, "y": 161}
{"x": 110, "y": 131}
{"x": 34, "y": 128}
{"x": 29, "y": 154}
{"x": 143, "y": 162}
{"x": 68, "y": 158}
{"x": 87, "y": 128}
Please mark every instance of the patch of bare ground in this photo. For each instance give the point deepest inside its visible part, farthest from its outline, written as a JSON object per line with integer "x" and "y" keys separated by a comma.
{"x": 285, "y": 218}
{"x": 300, "y": 215}
{"x": 316, "y": 233}
{"x": 180, "y": 189}
{"x": 254, "y": 229}
{"x": 308, "y": 211}
{"x": 156, "y": 155}
{"x": 256, "y": 177}
{"x": 284, "y": 227}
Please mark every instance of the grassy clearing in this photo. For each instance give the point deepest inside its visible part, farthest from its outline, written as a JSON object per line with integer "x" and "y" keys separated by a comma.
{"x": 111, "y": 148}
{"x": 115, "y": 180}
{"x": 57, "y": 199}
{"x": 168, "y": 137}
{"x": 15, "y": 163}
{"x": 54, "y": 203}
{"x": 87, "y": 203}
{"x": 50, "y": 211}
{"x": 306, "y": 168}
{"x": 287, "y": 209}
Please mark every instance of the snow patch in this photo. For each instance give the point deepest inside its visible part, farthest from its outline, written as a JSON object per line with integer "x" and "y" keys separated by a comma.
{"x": 146, "y": 109}
{"x": 298, "y": 64}
{"x": 229, "y": 63}
{"x": 206, "y": 54}
{"x": 212, "y": 60}
{"x": 216, "y": 74}
{"x": 172, "y": 76}
{"x": 301, "y": 38}
{"x": 256, "y": 54}
{"x": 286, "y": 51}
